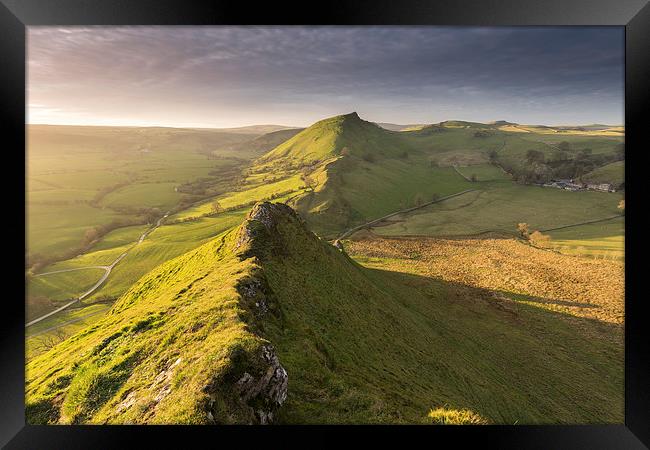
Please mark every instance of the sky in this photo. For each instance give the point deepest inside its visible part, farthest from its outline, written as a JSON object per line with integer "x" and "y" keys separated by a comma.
{"x": 218, "y": 77}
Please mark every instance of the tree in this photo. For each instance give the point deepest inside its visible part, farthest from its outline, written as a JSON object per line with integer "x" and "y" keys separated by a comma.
{"x": 621, "y": 206}
{"x": 539, "y": 239}
{"x": 492, "y": 154}
{"x": 564, "y": 145}
{"x": 523, "y": 229}
{"x": 309, "y": 181}
{"x": 435, "y": 196}
{"x": 216, "y": 207}
{"x": 91, "y": 235}
{"x": 419, "y": 199}
{"x": 534, "y": 156}
{"x": 584, "y": 154}
{"x": 473, "y": 178}
{"x": 50, "y": 340}
{"x": 152, "y": 214}
{"x": 560, "y": 155}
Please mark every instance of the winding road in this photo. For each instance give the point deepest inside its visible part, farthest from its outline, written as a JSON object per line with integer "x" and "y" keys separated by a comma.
{"x": 107, "y": 272}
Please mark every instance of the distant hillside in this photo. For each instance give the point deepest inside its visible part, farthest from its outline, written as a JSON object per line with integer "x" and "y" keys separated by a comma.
{"x": 269, "y": 323}
{"x": 120, "y": 140}
{"x": 265, "y": 142}
{"x": 355, "y": 166}
{"x": 396, "y": 127}
{"x": 360, "y": 171}
{"x": 255, "y": 129}
{"x": 613, "y": 173}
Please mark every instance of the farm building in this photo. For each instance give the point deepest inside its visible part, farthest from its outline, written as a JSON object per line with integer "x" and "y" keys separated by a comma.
{"x": 605, "y": 187}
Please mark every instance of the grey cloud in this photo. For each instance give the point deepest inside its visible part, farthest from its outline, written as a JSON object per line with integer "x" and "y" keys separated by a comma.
{"x": 259, "y": 68}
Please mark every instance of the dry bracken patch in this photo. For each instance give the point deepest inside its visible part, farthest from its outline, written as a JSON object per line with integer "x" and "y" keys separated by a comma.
{"x": 577, "y": 286}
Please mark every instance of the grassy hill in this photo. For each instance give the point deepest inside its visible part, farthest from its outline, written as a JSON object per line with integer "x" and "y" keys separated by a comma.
{"x": 360, "y": 171}
{"x": 265, "y": 142}
{"x": 613, "y": 173}
{"x": 269, "y": 323}
{"x": 339, "y": 173}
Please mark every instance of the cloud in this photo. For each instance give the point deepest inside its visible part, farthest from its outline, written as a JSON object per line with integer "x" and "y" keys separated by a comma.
{"x": 251, "y": 71}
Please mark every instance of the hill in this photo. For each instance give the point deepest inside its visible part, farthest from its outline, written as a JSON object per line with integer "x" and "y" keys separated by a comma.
{"x": 613, "y": 173}
{"x": 355, "y": 167}
{"x": 266, "y": 142}
{"x": 269, "y": 323}
{"x": 253, "y": 129}
{"x": 360, "y": 171}
{"x": 396, "y": 127}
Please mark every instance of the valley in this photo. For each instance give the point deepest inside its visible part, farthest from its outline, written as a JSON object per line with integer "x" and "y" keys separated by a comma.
{"x": 433, "y": 263}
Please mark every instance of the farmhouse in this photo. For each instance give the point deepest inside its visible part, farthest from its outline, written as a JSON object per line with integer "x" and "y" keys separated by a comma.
{"x": 566, "y": 184}
{"x": 605, "y": 187}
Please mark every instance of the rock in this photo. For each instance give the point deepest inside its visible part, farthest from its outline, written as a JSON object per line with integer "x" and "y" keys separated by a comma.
{"x": 268, "y": 390}
{"x": 164, "y": 377}
{"x": 261, "y": 225}
{"x": 253, "y": 292}
{"x": 126, "y": 403}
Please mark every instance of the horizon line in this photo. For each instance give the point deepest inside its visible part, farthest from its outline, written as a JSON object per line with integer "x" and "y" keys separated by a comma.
{"x": 198, "y": 127}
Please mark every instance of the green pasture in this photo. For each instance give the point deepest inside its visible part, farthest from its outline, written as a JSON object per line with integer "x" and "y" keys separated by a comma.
{"x": 599, "y": 240}
{"x": 499, "y": 207}
{"x": 63, "y": 285}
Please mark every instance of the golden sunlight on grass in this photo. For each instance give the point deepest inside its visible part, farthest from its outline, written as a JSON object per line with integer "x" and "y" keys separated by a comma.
{"x": 580, "y": 287}
{"x": 444, "y": 416}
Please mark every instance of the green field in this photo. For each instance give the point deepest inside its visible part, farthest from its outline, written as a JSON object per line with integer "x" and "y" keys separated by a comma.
{"x": 54, "y": 229}
{"x": 120, "y": 237}
{"x": 484, "y": 172}
{"x": 243, "y": 198}
{"x": 79, "y": 178}
{"x": 64, "y": 285}
{"x": 499, "y": 207}
{"x": 600, "y": 240}
{"x": 152, "y": 195}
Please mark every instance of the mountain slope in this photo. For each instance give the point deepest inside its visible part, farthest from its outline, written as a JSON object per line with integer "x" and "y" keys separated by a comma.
{"x": 270, "y": 323}
{"x": 359, "y": 172}
{"x": 265, "y": 142}
{"x": 336, "y": 136}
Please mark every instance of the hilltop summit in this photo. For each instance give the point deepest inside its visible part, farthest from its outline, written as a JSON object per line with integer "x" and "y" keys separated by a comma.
{"x": 333, "y": 137}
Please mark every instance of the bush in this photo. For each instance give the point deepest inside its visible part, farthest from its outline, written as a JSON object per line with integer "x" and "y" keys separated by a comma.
{"x": 539, "y": 239}
{"x": 522, "y": 228}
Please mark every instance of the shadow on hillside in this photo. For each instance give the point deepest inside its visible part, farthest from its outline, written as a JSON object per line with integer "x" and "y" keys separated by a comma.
{"x": 507, "y": 304}
{"x": 532, "y": 358}
{"x": 549, "y": 301}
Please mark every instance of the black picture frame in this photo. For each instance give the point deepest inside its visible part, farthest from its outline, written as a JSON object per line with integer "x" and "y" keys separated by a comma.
{"x": 634, "y": 15}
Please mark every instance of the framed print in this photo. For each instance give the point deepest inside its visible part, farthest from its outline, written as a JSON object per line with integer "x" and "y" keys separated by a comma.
{"x": 382, "y": 218}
